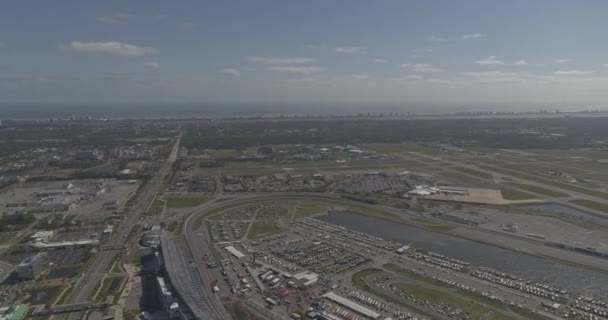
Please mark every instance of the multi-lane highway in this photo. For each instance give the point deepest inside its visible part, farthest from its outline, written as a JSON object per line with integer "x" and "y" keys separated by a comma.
{"x": 84, "y": 289}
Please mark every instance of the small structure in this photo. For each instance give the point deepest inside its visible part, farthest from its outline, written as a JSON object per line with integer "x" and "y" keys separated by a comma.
{"x": 236, "y": 253}
{"x": 42, "y": 236}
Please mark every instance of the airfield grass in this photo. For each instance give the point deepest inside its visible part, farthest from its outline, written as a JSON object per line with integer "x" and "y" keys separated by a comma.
{"x": 537, "y": 189}
{"x": 591, "y": 205}
{"x": 401, "y": 147}
{"x": 474, "y": 172}
{"x": 513, "y": 194}
{"x": 461, "y": 178}
{"x": 585, "y": 154}
{"x": 549, "y": 182}
{"x": 177, "y": 202}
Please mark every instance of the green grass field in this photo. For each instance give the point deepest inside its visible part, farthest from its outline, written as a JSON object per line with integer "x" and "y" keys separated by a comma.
{"x": 474, "y": 172}
{"x": 591, "y": 205}
{"x": 537, "y": 189}
{"x": 178, "y": 202}
{"x": 550, "y": 182}
{"x": 401, "y": 147}
{"x": 512, "y": 194}
{"x": 109, "y": 287}
{"x": 262, "y": 228}
{"x": 461, "y": 178}
{"x": 454, "y": 299}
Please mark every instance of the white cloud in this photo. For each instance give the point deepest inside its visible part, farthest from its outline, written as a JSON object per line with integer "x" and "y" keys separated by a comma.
{"x": 152, "y": 64}
{"x": 421, "y": 67}
{"x": 379, "y": 61}
{"x": 573, "y": 72}
{"x": 489, "y": 61}
{"x": 562, "y": 60}
{"x": 474, "y": 36}
{"x": 231, "y": 71}
{"x": 360, "y": 76}
{"x": 350, "y": 50}
{"x": 108, "y": 48}
{"x": 116, "y": 18}
{"x": 280, "y": 61}
{"x": 606, "y": 65}
{"x": 296, "y": 69}
{"x": 436, "y": 38}
{"x": 425, "y": 67}
{"x": 414, "y": 77}
{"x": 521, "y": 62}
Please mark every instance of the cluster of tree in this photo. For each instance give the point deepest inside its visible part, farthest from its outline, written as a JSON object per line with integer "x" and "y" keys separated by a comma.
{"x": 10, "y": 221}
{"x": 497, "y": 133}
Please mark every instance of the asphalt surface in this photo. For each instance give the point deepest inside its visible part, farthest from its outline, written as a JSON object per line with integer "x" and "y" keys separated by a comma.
{"x": 84, "y": 289}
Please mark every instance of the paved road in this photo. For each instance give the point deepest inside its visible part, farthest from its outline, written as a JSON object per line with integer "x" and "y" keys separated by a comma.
{"x": 87, "y": 284}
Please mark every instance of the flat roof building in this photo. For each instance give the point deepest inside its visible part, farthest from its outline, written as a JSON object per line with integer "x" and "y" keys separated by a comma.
{"x": 235, "y": 252}
{"x": 351, "y": 305}
{"x": 31, "y": 267}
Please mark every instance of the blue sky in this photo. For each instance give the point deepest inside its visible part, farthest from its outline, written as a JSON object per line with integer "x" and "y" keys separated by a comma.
{"x": 448, "y": 53}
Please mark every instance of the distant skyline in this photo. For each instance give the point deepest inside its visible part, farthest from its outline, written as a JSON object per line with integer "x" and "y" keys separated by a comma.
{"x": 450, "y": 54}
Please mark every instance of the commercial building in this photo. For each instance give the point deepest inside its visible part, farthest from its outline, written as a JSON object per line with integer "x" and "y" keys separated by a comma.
{"x": 167, "y": 299}
{"x": 42, "y": 236}
{"x": 31, "y": 267}
{"x": 351, "y": 305}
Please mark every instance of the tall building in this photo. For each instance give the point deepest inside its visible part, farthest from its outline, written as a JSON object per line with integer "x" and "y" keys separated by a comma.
{"x": 31, "y": 267}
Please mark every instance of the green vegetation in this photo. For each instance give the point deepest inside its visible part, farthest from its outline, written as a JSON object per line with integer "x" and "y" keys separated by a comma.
{"x": 156, "y": 207}
{"x": 62, "y": 296}
{"x": 117, "y": 267}
{"x": 550, "y": 182}
{"x": 357, "y": 208}
{"x": 109, "y": 287}
{"x": 262, "y": 228}
{"x": 474, "y": 172}
{"x": 305, "y": 208}
{"x": 433, "y": 225}
{"x": 591, "y": 205}
{"x": 177, "y": 202}
{"x": 536, "y": 189}
{"x": 474, "y": 308}
{"x": 513, "y": 194}
{"x": 461, "y": 178}
{"x": 401, "y": 147}
{"x": 12, "y": 222}
{"x": 478, "y": 298}
{"x": 359, "y": 282}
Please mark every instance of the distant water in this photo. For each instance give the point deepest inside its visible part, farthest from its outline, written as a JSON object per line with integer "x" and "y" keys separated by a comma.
{"x": 522, "y": 265}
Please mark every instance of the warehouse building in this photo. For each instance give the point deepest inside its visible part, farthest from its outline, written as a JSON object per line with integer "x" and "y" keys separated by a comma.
{"x": 351, "y": 305}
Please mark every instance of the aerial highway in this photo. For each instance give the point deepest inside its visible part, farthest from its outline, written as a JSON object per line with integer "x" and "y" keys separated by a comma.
{"x": 84, "y": 289}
